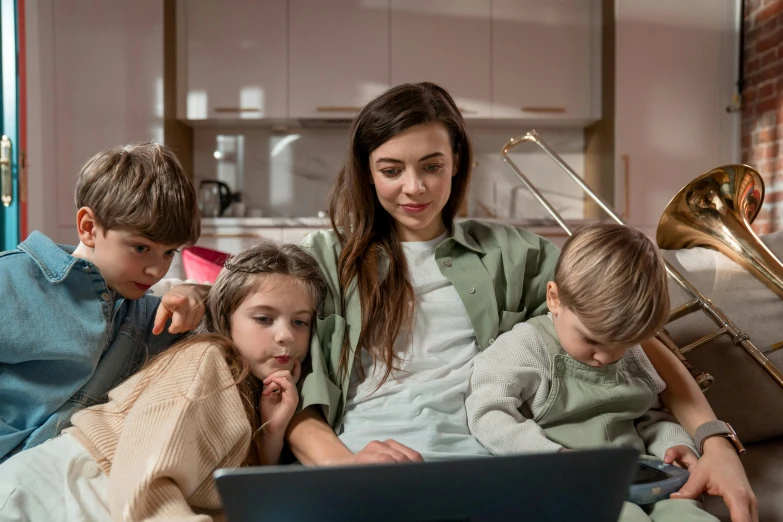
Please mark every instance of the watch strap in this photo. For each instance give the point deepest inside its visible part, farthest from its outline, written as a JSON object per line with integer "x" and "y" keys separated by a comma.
{"x": 717, "y": 428}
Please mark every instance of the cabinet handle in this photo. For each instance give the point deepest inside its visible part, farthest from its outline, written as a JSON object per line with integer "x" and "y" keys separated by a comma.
{"x": 22, "y": 176}
{"x": 626, "y": 184}
{"x": 338, "y": 109}
{"x": 232, "y": 236}
{"x": 6, "y": 180}
{"x": 544, "y": 109}
{"x": 463, "y": 110}
{"x": 235, "y": 109}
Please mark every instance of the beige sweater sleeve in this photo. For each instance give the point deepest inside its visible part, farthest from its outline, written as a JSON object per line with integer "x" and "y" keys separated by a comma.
{"x": 186, "y": 423}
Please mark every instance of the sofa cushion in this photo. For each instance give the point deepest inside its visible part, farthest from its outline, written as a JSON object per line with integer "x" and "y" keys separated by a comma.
{"x": 743, "y": 394}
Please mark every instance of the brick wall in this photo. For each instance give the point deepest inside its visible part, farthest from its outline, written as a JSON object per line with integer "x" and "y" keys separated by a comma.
{"x": 762, "y": 112}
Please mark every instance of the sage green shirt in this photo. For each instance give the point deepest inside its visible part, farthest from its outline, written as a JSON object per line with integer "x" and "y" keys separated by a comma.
{"x": 499, "y": 272}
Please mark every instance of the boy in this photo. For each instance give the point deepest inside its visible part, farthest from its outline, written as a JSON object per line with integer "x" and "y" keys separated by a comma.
{"x": 576, "y": 378}
{"x": 76, "y": 322}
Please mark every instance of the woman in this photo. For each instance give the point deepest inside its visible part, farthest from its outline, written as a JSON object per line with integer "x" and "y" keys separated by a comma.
{"x": 413, "y": 296}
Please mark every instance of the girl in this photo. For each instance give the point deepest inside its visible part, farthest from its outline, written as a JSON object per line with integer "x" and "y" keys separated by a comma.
{"x": 221, "y": 398}
{"x": 413, "y": 295}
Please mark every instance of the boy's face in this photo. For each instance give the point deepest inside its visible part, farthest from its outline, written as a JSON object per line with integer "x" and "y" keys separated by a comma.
{"x": 271, "y": 328}
{"x": 578, "y": 341}
{"x": 129, "y": 262}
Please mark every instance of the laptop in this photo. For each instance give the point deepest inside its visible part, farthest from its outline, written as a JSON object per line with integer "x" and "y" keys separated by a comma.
{"x": 588, "y": 486}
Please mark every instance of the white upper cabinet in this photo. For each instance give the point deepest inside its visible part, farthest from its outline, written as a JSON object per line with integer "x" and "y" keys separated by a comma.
{"x": 546, "y": 59}
{"x": 446, "y": 42}
{"x": 339, "y": 56}
{"x": 232, "y": 59}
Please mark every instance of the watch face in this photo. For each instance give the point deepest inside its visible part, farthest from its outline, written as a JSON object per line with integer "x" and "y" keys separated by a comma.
{"x": 732, "y": 436}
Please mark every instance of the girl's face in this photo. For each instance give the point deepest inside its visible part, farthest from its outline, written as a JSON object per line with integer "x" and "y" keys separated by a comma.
{"x": 271, "y": 328}
{"x": 412, "y": 176}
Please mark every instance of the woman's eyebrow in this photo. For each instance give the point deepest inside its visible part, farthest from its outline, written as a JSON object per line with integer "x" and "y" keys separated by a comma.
{"x": 388, "y": 160}
{"x": 423, "y": 158}
{"x": 431, "y": 155}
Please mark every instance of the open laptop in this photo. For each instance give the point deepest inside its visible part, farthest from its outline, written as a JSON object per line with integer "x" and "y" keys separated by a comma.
{"x": 588, "y": 486}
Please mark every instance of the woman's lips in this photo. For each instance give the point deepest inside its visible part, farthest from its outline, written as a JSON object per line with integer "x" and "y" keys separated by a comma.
{"x": 415, "y": 208}
{"x": 283, "y": 359}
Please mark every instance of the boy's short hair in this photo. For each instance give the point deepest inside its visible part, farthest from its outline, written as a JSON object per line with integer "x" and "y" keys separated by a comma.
{"x": 141, "y": 186}
{"x": 614, "y": 279}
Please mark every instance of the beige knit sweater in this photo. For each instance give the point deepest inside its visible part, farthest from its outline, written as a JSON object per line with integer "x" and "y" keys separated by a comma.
{"x": 161, "y": 448}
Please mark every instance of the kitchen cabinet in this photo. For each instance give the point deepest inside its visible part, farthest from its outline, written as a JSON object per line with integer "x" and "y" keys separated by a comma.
{"x": 338, "y": 56}
{"x": 232, "y": 59}
{"x": 546, "y": 59}
{"x": 446, "y": 42}
{"x": 675, "y": 74}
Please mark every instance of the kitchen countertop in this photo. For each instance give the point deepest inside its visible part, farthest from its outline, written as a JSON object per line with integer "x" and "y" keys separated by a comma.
{"x": 538, "y": 226}
{"x": 266, "y": 222}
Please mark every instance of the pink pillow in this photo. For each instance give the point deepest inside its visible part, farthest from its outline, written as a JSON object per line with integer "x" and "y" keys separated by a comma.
{"x": 203, "y": 264}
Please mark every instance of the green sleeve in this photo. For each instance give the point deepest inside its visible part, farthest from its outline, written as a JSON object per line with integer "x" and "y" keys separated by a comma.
{"x": 320, "y": 385}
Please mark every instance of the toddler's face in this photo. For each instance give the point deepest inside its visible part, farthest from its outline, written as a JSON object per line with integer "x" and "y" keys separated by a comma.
{"x": 129, "y": 262}
{"x": 576, "y": 339}
{"x": 579, "y": 343}
{"x": 271, "y": 328}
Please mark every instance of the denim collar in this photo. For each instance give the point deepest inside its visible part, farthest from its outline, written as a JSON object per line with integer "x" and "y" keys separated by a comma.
{"x": 54, "y": 260}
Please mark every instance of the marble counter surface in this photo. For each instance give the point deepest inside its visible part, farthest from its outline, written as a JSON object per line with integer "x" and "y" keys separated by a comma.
{"x": 544, "y": 227}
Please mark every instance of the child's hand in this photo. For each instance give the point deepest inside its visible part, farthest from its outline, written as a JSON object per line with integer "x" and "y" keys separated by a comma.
{"x": 279, "y": 399}
{"x": 681, "y": 456}
{"x": 184, "y": 305}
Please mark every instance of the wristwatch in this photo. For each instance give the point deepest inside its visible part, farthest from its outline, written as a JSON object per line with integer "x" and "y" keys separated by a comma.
{"x": 717, "y": 428}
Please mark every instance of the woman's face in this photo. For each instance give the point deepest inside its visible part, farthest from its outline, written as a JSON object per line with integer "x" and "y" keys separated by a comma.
{"x": 412, "y": 176}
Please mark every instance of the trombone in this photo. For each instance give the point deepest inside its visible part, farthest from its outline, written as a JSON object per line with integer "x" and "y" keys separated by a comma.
{"x": 697, "y": 301}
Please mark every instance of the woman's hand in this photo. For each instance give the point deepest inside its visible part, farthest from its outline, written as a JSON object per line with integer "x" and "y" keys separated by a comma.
{"x": 720, "y": 473}
{"x": 386, "y": 452}
{"x": 314, "y": 443}
{"x": 279, "y": 400}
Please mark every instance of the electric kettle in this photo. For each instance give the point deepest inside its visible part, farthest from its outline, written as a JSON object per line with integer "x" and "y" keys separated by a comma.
{"x": 214, "y": 197}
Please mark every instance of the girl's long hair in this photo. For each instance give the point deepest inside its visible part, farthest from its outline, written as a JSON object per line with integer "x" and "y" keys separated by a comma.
{"x": 367, "y": 233}
{"x": 242, "y": 274}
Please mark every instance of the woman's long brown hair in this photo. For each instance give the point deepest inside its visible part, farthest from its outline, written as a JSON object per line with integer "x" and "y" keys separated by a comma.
{"x": 367, "y": 233}
{"x": 241, "y": 276}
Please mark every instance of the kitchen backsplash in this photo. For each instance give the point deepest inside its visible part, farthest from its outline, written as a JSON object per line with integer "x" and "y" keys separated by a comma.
{"x": 288, "y": 174}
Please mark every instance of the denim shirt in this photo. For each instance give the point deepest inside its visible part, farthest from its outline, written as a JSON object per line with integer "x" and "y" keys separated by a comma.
{"x": 499, "y": 272}
{"x": 65, "y": 341}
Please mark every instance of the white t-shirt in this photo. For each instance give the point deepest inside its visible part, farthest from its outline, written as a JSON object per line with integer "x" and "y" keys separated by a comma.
{"x": 421, "y": 405}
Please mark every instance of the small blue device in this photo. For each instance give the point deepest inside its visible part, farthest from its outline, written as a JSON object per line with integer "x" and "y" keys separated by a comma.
{"x": 655, "y": 480}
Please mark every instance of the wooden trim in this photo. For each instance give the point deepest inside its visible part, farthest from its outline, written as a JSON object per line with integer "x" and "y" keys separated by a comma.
{"x": 600, "y": 136}
{"x": 176, "y": 134}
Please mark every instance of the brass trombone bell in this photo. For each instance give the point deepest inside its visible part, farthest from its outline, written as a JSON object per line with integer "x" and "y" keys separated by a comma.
{"x": 716, "y": 210}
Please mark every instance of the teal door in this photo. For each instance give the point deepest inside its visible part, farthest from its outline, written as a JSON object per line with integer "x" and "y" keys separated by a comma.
{"x": 9, "y": 126}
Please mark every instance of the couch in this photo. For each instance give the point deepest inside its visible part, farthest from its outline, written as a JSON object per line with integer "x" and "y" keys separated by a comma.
{"x": 743, "y": 394}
